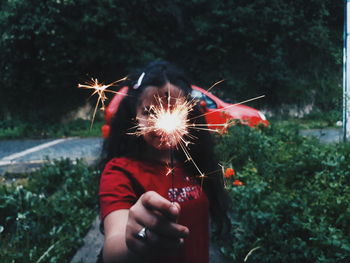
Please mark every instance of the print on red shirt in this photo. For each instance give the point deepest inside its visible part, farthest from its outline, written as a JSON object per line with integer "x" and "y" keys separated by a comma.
{"x": 184, "y": 194}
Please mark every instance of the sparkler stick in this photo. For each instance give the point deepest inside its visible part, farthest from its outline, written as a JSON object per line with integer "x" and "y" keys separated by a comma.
{"x": 171, "y": 155}
{"x": 172, "y": 173}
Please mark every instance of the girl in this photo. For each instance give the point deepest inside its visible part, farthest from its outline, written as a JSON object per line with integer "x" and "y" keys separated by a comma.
{"x": 147, "y": 216}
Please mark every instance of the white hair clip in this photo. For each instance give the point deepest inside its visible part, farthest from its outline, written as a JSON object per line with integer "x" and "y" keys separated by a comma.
{"x": 139, "y": 81}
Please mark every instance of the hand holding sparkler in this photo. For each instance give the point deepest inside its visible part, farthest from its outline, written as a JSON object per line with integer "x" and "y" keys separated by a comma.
{"x": 152, "y": 220}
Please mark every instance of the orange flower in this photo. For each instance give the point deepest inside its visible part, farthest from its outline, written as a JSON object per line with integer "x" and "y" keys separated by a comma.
{"x": 229, "y": 172}
{"x": 237, "y": 183}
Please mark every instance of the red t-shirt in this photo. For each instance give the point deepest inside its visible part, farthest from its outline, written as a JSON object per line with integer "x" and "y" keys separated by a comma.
{"x": 124, "y": 180}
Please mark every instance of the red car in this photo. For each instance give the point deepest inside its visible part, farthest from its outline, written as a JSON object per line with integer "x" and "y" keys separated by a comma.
{"x": 216, "y": 111}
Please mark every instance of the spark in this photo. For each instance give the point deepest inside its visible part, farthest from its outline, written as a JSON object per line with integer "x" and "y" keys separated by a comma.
{"x": 215, "y": 84}
{"x": 170, "y": 122}
{"x": 249, "y": 253}
{"x": 99, "y": 89}
{"x": 231, "y": 105}
{"x": 223, "y": 175}
{"x": 170, "y": 170}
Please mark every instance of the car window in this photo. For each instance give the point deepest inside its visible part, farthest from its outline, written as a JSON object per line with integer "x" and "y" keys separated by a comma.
{"x": 210, "y": 103}
{"x": 196, "y": 94}
{"x": 200, "y": 96}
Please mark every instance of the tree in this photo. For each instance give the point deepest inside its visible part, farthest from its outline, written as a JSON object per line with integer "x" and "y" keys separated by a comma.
{"x": 288, "y": 50}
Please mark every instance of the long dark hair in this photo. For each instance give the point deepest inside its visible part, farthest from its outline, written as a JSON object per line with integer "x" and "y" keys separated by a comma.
{"x": 120, "y": 144}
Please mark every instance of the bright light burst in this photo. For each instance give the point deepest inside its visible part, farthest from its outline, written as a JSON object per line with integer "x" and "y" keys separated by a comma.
{"x": 99, "y": 89}
{"x": 171, "y": 123}
{"x": 169, "y": 120}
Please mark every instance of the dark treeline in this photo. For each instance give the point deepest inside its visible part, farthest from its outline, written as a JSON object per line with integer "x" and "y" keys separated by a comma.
{"x": 289, "y": 50}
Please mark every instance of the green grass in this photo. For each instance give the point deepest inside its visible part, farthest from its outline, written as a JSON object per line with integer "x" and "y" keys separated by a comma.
{"x": 12, "y": 129}
{"x": 314, "y": 120}
{"x": 304, "y": 124}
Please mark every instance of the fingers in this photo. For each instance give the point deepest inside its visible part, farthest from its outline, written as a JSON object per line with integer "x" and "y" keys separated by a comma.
{"x": 153, "y": 244}
{"x": 155, "y": 220}
{"x": 158, "y": 241}
{"x": 160, "y": 224}
{"x": 158, "y": 211}
{"x": 153, "y": 201}
{"x": 151, "y": 240}
{"x": 158, "y": 215}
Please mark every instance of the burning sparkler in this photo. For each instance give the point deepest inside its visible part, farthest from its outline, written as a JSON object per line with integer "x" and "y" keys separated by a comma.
{"x": 172, "y": 124}
{"x": 167, "y": 118}
{"x": 99, "y": 89}
{"x": 169, "y": 121}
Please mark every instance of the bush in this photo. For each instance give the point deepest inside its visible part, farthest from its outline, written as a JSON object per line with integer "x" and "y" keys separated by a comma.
{"x": 14, "y": 128}
{"x": 47, "y": 218}
{"x": 293, "y": 206}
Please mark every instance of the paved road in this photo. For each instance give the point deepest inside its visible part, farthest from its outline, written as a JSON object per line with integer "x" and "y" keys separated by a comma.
{"x": 25, "y": 155}
{"x": 19, "y": 155}
{"x": 328, "y": 135}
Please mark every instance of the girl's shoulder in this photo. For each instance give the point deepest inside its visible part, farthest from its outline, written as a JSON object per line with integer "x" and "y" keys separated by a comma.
{"x": 125, "y": 162}
{"x": 119, "y": 167}
{"x": 122, "y": 162}
{"x": 129, "y": 165}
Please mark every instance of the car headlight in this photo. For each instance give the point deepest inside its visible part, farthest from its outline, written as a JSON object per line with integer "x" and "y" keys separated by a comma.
{"x": 262, "y": 115}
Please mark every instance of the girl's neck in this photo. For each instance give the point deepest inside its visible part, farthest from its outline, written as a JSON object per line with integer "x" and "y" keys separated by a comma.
{"x": 154, "y": 154}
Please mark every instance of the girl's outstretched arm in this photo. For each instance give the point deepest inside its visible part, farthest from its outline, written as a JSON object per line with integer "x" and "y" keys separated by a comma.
{"x": 159, "y": 217}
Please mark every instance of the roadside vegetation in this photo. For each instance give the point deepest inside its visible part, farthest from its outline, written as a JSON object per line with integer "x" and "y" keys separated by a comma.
{"x": 289, "y": 201}
{"x": 45, "y": 215}
{"x": 316, "y": 119}
{"x": 15, "y": 129}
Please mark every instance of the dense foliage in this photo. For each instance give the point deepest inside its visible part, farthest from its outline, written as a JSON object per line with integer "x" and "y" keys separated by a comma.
{"x": 288, "y": 50}
{"x": 16, "y": 129}
{"x": 290, "y": 202}
{"x": 294, "y": 204}
{"x": 46, "y": 219}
